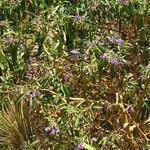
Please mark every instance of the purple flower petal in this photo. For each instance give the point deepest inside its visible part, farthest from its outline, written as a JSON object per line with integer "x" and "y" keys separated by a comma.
{"x": 47, "y": 129}
{"x": 57, "y": 131}
{"x": 36, "y": 93}
{"x": 110, "y": 40}
{"x": 77, "y": 18}
{"x": 74, "y": 52}
{"x": 119, "y": 42}
{"x": 51, "y": 131}
{"x": 74, "y": 58}
{"x": 66, "y": 78}
{"x": 30, "y": 60}
{"x": 115, "y": 62}
{"x": 29, "y": 74}
{"x": 103, "y": 56}
{"x": 94, "y": 139}
{"x": 54, "y": 131}
{"x": 29, "y": 94}
{"x": 80, "y": 147}
{"x": 115, "y": 40}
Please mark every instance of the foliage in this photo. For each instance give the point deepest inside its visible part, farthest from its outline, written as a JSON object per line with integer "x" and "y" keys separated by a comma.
{"x": 75, "y": 74}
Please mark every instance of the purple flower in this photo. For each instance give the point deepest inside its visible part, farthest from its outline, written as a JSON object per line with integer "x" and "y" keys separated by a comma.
{"x": 77, "y": 18}
{"x": 110, "y": 40}
{"x": 36, "y": 93}
{"x": 29, "y": 94}
{"x": 74, "y": 52}
{"x": 115, "y": 62}
{"x": 54, "y": 132}
{"x": 30, "y": 60}
{"x": 29, "y": 74}
{"x": 124, "y": 2}
{"x": 94, "y": 139}
{"x": 103, "y": 56}
{"x": 47, "y": 129}
{"x": 74, "y": 57}
{"x": 80, "y": 147}
{"x": 51, "y": 131}
{"x": 57, "y": 131}
{"x": 119, "y": 42}
{"x": 66, "y": 77}
{"x": 115, "y": 40}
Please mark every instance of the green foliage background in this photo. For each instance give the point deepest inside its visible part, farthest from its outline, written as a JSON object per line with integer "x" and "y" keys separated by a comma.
{"x": 95, "y": 91}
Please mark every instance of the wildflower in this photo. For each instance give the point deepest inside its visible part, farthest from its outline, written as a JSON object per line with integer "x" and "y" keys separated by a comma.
{"x": 36, "y": 93}
{"x": 31, "y": 94}
{"x": 115, "y": 40}
{"x": 94, "y": 139}
{"x": 54, "y": 132}
{"x": 119, "y": 42}
{"x": 124, "y": 2}
{"x": 29, "y": 74}
{"x": 103, "y": 56}
{"x": 74, "y": 52}
{"x": 47, "y": 129}
{"x": 115, "y": 62}
{"x": 110, "y": 40}
{"x": 80, "y": 147}
{"x": 74, "y": 57}
{"x": 66, "y": 78}
{"x": 51, "y": 131}
{"x": 77, "y": 18}
{"x": 30, "y": 60}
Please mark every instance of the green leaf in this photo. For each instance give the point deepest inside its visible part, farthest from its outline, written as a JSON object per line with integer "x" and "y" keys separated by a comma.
{"x": 33, "y": 144}
{"x": 2, "y": 57}
{"x": 88, "y": 146}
